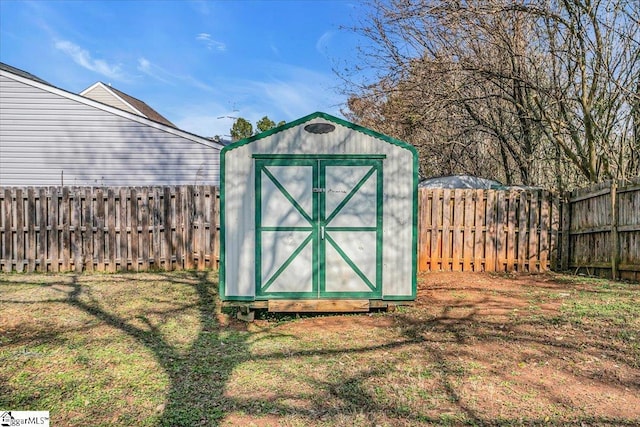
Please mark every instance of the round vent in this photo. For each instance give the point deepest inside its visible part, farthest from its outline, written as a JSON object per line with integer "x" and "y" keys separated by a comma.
{"x": 320, "y": 128}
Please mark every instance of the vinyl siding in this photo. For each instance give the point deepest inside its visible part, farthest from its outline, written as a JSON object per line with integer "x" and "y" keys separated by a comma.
{"x": 47, "y": 138}
{"x": 100, "y": 94}
{"x": 398, "y": 186}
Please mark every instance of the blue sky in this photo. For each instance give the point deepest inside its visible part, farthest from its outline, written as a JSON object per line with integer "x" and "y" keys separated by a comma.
{"x": 192, "y": 61}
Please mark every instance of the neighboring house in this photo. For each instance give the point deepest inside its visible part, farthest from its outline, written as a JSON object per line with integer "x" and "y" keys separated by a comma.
{"x": 49, "y": 136}
{"x": 112, "y": 96}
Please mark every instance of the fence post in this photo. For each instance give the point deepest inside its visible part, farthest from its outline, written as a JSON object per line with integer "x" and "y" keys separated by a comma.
{"x": 566, "y": 229}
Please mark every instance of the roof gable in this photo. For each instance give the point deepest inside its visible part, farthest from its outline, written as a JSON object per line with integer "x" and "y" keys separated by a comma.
{"x": 329, "y": 118}
{"x": 117, "y": 98}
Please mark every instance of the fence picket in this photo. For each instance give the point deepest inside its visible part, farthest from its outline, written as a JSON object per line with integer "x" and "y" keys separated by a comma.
{"x": 156, "y": 228}
{"x": 545, "y": 220}
{"x": 42, "y": 232}
{"x": 523, "y": 218}
{"x": 166, "y": 220}
{"x": 123, "y": 234}
{"x": 511, "y": 229}
{"x": 469, "y": 234}
{"x": 135, "y": 232}
{"x": 31, "y": 215}
{"x": 214, "y": 232}
{"x": 188, "y": 225}
{"x": 533, "y": 232}
{"x": 76, "y": 222}
{"x": 110, "y": 224}
{"x": 500, "y": 239}
{"x": 479, "y": 246}
{"x": 87, "y": 230}
{"x": 490, "y": 241}
{"x": 19, "y": 231}
{"x": 436, "y": 240}
{"x": 100, "y": 216}
{"x": 65, "y": 231}
{"x": 145, "y": 240}
{"x": 202, "y": 233}
{"x": 179, "y": 224}
{"x": 424, "y": 242}
{"x": 458, "y": 216}
{"x": 6, "y": 223}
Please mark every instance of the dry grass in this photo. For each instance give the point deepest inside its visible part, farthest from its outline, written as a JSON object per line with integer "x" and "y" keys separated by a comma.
{"x": 476, "y": 349}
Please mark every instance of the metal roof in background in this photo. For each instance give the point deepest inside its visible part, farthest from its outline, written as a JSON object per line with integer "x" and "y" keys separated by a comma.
{"x": 459, "y": 181}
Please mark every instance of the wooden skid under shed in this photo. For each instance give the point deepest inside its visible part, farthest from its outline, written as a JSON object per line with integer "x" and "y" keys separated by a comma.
{"x": 325, "y": 305}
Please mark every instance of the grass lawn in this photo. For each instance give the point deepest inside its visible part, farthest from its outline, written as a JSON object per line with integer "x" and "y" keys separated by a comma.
{"x": 476, "y": 349}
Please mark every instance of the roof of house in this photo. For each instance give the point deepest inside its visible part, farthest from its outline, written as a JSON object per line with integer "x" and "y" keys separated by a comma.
{"x": 35, "y": 81}
{"x": 19, "y": 72}
{"x": 139, "y": 107}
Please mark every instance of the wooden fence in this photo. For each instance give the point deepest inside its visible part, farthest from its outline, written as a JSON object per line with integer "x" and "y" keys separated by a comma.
{"x": 601, "y": 230}
{"x": 487, "y": 230}
{"x": 167, "y": 228}
{"x": 108, "y": 229}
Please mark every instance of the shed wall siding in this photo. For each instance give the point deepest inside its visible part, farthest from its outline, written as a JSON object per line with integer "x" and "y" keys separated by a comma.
{"x": 397, "y": 202}
{"x": 45, "y": 136}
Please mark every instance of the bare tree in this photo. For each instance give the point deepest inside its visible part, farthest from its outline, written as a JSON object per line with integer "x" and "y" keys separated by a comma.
{"x": 530, "y": 92}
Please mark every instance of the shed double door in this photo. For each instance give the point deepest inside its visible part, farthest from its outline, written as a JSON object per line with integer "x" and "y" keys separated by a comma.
{"x": 318, "y": 227}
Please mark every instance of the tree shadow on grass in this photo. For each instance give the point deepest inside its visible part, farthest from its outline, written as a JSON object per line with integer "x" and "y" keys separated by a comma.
{"x": 198, "y": 374}
{"x": 201, "y": 374}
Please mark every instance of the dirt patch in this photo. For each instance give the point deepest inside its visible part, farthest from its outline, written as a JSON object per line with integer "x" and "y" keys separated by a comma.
{"x": 498, "y": 347}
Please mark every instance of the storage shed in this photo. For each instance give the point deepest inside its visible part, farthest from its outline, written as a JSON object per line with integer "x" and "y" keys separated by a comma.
{"x": 318, "y": 215}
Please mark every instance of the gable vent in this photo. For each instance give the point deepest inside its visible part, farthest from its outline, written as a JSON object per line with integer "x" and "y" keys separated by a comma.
{"x": 319, "y": 128}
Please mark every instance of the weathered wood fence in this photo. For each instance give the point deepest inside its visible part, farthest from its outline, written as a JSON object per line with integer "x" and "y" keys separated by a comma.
{"x": 601, "y": 230}
{"x": 167, "y": 228}
{"x": 108, "y": 229}
{"x": 487, "y": 230}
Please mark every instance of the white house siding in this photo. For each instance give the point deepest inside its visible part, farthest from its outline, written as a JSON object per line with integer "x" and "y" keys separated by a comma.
{"x": 50, "y": 137}
{"x": 398, "y": 246}
{"x": 100, "y": 94}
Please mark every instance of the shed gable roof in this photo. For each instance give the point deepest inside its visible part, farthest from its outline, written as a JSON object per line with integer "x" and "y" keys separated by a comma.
{"x": 329, "y": 118}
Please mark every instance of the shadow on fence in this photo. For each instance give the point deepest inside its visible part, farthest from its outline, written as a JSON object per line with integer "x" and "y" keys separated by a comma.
{"x": 594, "y": 230}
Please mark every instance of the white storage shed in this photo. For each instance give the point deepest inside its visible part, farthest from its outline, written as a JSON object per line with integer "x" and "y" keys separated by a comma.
{"x": 318, "y": 215}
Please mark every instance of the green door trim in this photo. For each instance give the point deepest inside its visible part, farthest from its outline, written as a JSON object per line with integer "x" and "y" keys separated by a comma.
{"x": 286, "y": 194}
{"x": 288, "y": 261}
{"x": 260, "y": 289}
{"x": 319, "y": 156}
{"x": 317, "y": 221}
{"x": 351, "y": 264}
{"x": 376, "y": 167}
{"x": 350, "y": 195}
